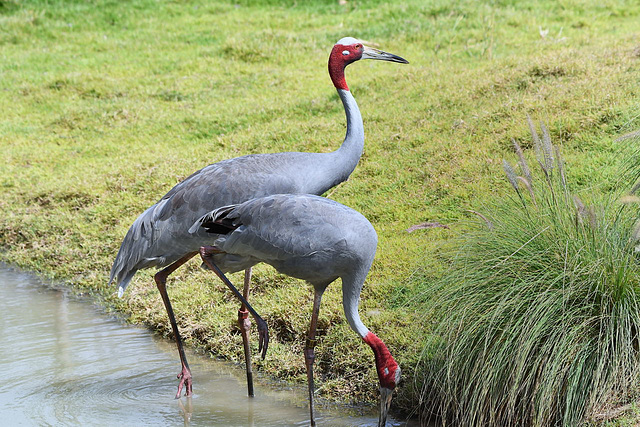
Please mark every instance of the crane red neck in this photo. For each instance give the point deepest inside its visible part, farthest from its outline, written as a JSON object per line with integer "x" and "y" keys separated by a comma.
{"x": 387, "y": 367}
{"x": 341, "y": 56}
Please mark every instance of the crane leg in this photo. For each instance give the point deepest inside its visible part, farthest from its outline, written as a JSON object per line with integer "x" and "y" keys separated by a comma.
{"x": 245, "y": 325}
{"x": 206, "y": 253}
{"x": 309, "y": 352}
{"x": 161, "y": 282}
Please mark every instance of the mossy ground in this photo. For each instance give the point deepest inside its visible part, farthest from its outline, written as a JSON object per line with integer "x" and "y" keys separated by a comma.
{"x": 106, "y": 105}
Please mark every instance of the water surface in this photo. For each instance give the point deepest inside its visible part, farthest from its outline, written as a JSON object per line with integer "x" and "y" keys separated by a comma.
{"x": 64, "y": 362}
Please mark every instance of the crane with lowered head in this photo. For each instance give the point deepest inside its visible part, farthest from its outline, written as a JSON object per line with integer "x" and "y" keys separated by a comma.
{"x": 310, "y": 238}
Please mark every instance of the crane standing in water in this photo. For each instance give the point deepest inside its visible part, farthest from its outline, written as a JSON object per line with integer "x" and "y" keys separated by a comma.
{"x": 310, "y": 238}
{"x": 159, "y": 237}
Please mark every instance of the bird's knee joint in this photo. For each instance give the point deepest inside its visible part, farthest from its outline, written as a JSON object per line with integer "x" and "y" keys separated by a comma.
{"x": 309, "y": 351}
{"x": 309, "y": 356}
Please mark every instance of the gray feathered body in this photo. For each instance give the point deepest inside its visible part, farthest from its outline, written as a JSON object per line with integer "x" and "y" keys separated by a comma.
{"x": 303, "y": 236}
{"x": 159, "y": 236}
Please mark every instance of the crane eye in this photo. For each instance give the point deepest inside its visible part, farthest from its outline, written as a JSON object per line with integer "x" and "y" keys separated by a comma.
{"x": 358, "y": 46}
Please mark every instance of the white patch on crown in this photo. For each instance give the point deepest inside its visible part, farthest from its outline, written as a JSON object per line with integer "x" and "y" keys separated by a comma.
{"x": 346, "y": 41}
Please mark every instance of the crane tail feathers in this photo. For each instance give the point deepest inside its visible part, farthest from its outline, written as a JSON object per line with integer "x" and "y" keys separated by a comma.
{"x": 217, "y": 221}
{"x": 133, "y": 254}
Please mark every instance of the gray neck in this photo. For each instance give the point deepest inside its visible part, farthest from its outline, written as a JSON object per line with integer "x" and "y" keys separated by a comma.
{"x": 351, "y": 149}
{"x": 351, "y": 289}
{"x": 327, "y": 170}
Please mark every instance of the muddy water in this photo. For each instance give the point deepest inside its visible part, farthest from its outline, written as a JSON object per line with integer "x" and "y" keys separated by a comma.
{"x": 64, "y": 362}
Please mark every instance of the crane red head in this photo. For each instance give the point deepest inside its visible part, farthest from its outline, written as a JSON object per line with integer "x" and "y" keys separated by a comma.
{"x": 388, "y": 373}
{"x": 349, "y": 50}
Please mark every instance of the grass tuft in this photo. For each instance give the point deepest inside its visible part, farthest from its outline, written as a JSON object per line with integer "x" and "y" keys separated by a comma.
{"x": 537, "y": 319}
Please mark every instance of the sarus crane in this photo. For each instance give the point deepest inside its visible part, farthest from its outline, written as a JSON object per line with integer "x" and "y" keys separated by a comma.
{"x": 310, "y": 238}
{"x": 159, "y": 237}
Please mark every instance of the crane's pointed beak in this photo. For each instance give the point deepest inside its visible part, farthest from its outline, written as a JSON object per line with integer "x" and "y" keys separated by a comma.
{"x": 385, "y": 403}
{"x": 371, "y": 53}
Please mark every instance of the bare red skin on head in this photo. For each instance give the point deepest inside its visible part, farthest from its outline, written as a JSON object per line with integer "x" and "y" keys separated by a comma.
{"x": 385, "y": 363}
{"x": 338, "y": 61}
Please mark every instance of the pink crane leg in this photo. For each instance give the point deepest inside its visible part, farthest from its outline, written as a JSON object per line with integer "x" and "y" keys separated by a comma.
{"x": 309, "y": 352}
{"x": 206, "y": 253}
{"x": 161, "y": 282}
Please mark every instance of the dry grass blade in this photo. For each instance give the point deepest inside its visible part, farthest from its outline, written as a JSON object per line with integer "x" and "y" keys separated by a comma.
{"x": 511, "y": 175}
{"x": 529, "y": 188}
{"x": 523, "y": 162}
{"x": 581, "y": 209}
{"x": 630, "y": 135}
{"x": 593, "y": 218}
{"x": 537, "y": 143}
{"x": 560, "y": 163}
{"x": 429, "y": 224}
{"x": 547, "y": 148}
{"x": 613, "y": 413}
{"x": 635, "y": 233}
{"x": 629, "y": 199}
{"x": 490, "y": 225}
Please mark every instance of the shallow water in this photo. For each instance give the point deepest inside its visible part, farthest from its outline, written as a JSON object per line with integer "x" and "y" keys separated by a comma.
{"x": 64, "y": 362}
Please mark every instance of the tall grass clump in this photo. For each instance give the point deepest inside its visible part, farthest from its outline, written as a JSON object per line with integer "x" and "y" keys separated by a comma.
{"x": 537, "y": 320}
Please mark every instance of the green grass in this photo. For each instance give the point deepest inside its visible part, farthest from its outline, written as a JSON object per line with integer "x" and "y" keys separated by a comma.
{"x": 107, "y": 105}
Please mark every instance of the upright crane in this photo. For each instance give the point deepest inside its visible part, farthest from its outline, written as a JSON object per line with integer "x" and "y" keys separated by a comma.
{"x": 159, "y": 237}
{"x": 310, "y": 238}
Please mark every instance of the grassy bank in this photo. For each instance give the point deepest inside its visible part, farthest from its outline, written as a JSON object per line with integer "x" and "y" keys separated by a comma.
{"x": 107, "y": 105}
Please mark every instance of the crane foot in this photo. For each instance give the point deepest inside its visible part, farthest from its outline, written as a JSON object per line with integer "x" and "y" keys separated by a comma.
{"x": 185, "y": 381}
